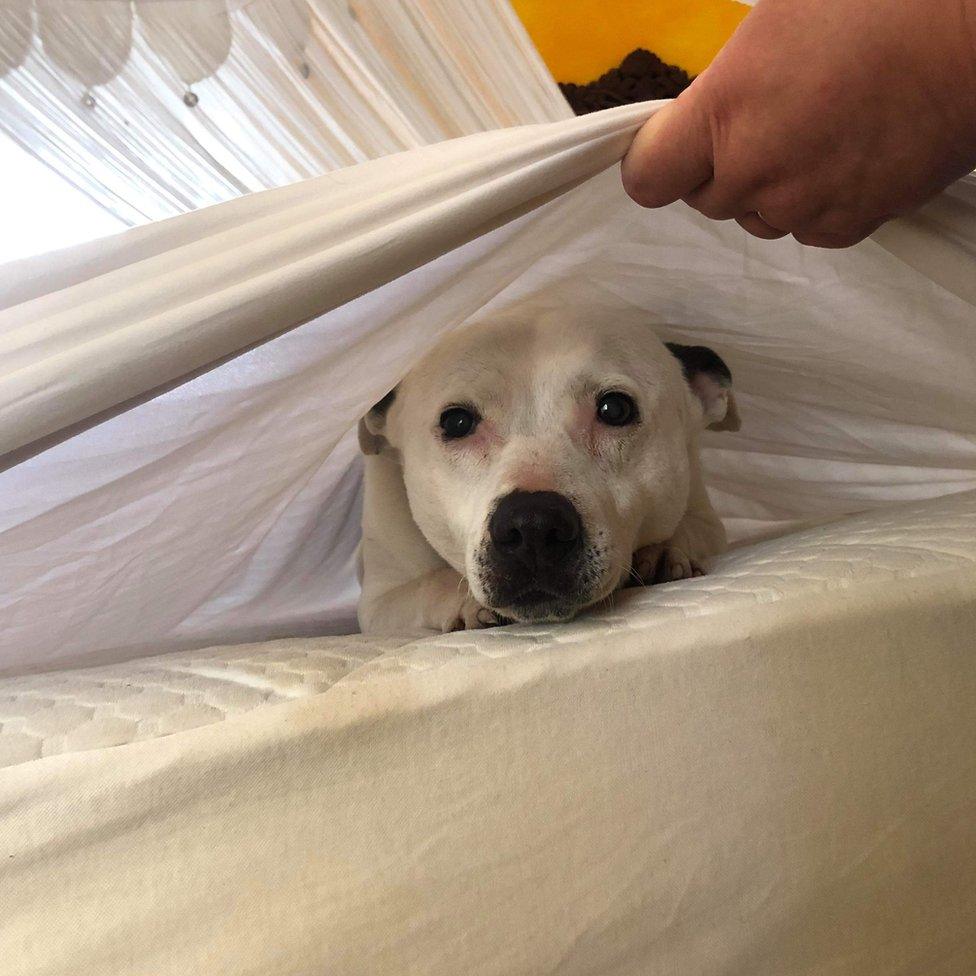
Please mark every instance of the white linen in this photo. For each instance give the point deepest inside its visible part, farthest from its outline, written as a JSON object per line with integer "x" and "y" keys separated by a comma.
{"x": 770, "y": 771}
{"x": 227, "y": 508}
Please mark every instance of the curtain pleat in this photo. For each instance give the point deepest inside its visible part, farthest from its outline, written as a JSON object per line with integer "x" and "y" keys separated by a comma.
{"x": 156, "y": 107}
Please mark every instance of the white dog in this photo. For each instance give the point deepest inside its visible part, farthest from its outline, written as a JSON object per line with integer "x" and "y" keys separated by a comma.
{"x": 524, "y": 470}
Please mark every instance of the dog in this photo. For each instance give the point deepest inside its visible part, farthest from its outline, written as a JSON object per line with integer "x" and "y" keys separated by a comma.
{"x": 529, "y": 466}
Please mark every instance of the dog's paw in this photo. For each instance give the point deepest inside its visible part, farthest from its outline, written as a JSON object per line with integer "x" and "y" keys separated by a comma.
{"x": 446, "y": 604}
{"x": 471, "y": 615}
{"x": 663, "y": 562}
{"x": 644, "y": 564}
{"x": 678, "y": 565}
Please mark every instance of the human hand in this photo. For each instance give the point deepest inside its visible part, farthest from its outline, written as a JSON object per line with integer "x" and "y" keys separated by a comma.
{"x": 825, "y": 117}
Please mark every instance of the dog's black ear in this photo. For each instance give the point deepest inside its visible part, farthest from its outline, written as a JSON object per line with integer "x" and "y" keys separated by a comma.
{"x": 371, "y": 427}
{"x": 711, "y": 381}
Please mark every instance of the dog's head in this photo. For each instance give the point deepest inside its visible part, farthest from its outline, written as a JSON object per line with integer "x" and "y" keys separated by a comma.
{"x": 538, "y": 456}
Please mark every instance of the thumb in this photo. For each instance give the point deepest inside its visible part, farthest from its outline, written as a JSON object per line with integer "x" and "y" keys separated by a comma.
{"x": 671, "y": 155}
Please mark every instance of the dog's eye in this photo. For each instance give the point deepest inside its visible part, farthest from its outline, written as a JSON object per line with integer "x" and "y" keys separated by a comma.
{"x": 457, "y": 422}
{"x": 615, "y": 409}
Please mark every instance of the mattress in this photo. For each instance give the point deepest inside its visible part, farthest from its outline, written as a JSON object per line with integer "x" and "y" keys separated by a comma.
{"x": 770, "y": 770}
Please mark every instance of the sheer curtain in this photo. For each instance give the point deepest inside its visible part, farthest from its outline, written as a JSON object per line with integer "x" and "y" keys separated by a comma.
{"x": 156, "y": 107}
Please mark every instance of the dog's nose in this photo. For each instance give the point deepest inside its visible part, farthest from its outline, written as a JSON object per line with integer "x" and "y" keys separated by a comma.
{"x": 535, "y": 528}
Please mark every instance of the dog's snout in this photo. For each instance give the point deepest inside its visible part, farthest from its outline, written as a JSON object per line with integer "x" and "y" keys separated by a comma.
{"x": 535, "y": 528}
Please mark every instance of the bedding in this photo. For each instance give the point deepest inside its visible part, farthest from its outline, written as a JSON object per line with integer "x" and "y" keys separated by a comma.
{"x": 225, "y": 509}
{"x": 771, "y": 770}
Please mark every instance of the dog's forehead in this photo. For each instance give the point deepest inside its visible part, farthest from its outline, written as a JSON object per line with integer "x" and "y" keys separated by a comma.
{"x": 535, "y": 356}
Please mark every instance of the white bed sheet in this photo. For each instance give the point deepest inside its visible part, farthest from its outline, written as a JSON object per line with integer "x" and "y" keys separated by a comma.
{"x": 226, "y": 509}
{"x": 768, "y": 771}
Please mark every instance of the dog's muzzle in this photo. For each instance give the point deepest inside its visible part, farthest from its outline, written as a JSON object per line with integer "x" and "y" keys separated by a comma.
{"x": 534, "y": 555}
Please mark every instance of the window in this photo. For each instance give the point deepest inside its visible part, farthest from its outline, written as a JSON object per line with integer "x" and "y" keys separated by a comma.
{"x": 41, "y": 211}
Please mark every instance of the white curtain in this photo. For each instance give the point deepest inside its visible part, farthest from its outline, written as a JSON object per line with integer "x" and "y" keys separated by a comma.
{"x": 136, "y": 518}
{"x": 156, "y": 107}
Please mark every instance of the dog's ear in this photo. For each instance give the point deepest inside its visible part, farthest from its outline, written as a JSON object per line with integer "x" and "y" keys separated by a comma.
{"x": 711, "y": 381}
{"x": 371, "y": 437}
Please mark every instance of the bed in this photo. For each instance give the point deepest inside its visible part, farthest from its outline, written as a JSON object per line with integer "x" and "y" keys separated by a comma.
{"x": 771, "y": 770}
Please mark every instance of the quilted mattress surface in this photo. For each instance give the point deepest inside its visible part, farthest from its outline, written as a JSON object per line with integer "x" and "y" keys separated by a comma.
{"x": 768, "y": 770}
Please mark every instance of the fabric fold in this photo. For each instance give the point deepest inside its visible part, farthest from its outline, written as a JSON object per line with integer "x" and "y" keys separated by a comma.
{"x": 132, "y": 326}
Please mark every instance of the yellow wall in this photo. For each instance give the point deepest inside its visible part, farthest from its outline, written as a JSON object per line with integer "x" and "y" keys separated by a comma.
{"x": 581, "y": 39}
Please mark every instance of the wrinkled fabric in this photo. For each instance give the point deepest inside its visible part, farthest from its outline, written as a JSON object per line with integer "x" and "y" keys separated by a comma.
{"x": 142, "y": 511}
{"x": 771, "y": 771}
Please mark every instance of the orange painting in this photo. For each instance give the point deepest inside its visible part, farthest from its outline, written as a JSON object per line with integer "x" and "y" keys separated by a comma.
{"x": 581, "y": 39}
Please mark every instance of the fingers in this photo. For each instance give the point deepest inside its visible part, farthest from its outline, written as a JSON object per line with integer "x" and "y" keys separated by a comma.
{"x": 672, "y": 159}
{"x": 727, "y": 195}
{"x": 755, "y": 225}
{"x": 671, "y": 155}
{"x": 832, "y": 238}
